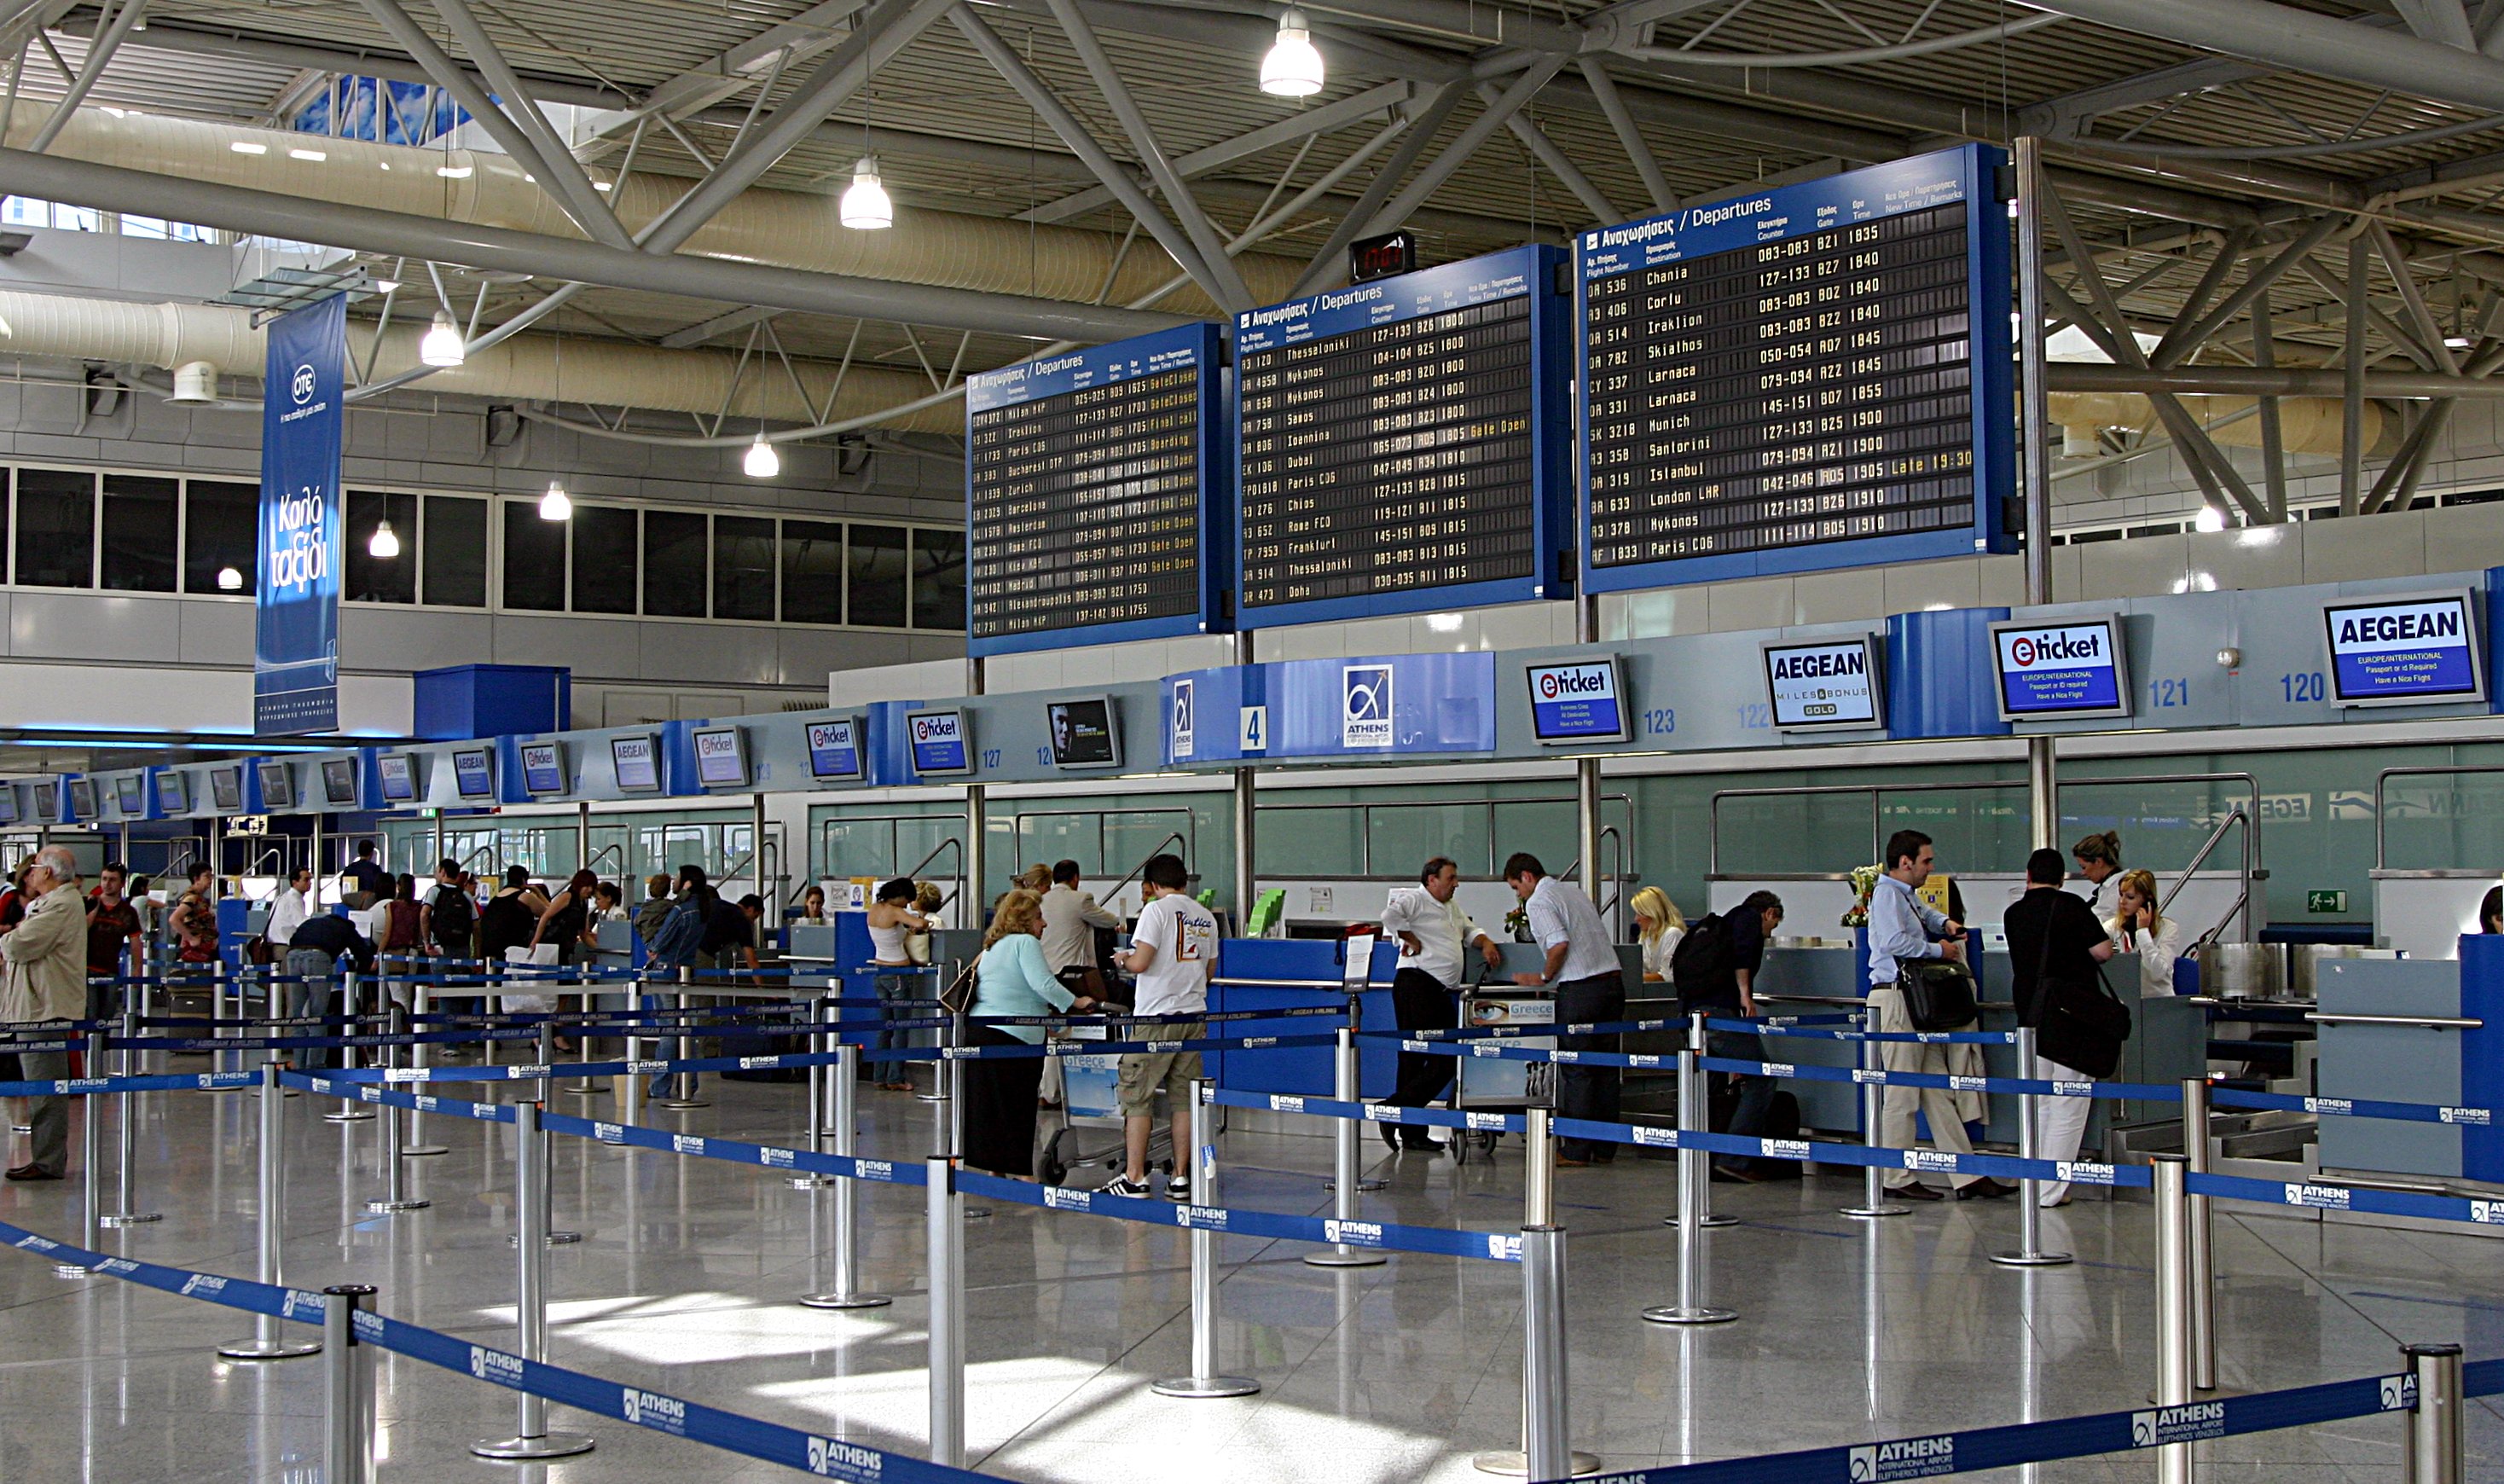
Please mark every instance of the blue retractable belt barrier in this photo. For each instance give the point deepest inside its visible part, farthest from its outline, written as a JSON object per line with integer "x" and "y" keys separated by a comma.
{"x": 2322, "y": 1195}
{"x": 1925, "y": 1037}
{"x": 2035, "y": 1087}
{"x": 2352, "y": 1107}
{"x": 1371, "y": 1113}
{"x": 1496, "y": 1245}
{"x": 735, "y": 1151}
{"x": 82, "y": 1086}
{"x": 415, "y": 1102}
{"x": 1927, "y": 1161}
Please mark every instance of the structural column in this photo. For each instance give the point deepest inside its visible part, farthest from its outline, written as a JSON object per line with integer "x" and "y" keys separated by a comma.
{"x": 974, "y": 910}
{"x": 1586, "y": 770}
{"x": 1246, "y": 892}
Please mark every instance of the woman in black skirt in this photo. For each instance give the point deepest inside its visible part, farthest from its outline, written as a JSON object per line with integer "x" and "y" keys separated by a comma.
{"x": 1011, "y": 979}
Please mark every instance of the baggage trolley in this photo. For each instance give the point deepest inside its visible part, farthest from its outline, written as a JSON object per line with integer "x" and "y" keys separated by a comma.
{"x": 1502, "y": 1083}
{"x": 1091, "y": 1100}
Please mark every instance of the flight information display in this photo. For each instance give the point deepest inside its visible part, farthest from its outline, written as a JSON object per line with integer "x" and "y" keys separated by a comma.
{"x": 1400, "y": 441}
{"x": 1096, "y": 495}
{"x": 1809, "y": 377}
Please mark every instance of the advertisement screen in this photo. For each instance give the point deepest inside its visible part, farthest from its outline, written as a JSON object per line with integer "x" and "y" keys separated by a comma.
{"x": 339, "y": 782}
{"x": 543, "y": 767}
{"x": 1583, "y": 701}
{"x": 2404, "y": 650}
{"x": 225, "y": 790}
{"x": 834, "y": 750}
{"x": 1084, "y": 734}
{"x": 473, "y": 772}
{"x": 173, "y": 793}
{"x": 637, "y": 763}
{"x": 939, "y": 741}
{"x": 277, "y": 785}
{"x": 721, "y": 757}
{"x": 1823, "y": 683}
{"x": 2049, "y": 671}
{"x": 399, "y": 777}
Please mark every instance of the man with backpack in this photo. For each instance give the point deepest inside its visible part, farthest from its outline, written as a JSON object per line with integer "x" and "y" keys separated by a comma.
{"x": 451, "y": 917}
{"x": 1715, "y": 969}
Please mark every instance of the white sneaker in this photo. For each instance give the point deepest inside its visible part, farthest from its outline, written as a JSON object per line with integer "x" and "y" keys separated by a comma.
{"x": 1177, "y": 1187}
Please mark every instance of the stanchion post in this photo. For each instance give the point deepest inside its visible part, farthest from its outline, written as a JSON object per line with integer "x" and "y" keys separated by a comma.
{"x": 90, "y": 1160}
{"x": 418, "y": 1053}
{"x": 126, "y": 1170}
{"x": 1546, "y": 1418}
{"x": 1204, "y": 1380}
{"x": 583, "y": 1084}
{"x": 2174, "y": 1463}
{"x": 1693, "y": 1174}
{"x": 630, "y": 1088}
{"x": 1695, "y": 1041}
{"x": 349, "y": 1110}
{"x": 1345, "y": 1183}
{"x": 395, "y": 1197}
{"x": 531, "y": 1437}
{"x": 2435, "y": 1448}
{"x": 682, "y": 1084}
{"x": 845, "y": 1292}
{"x": 265, "y": 1344}
{"x": 946, "y": 1223}
{"x": 1538, "y": 1213}
{"x": 2204, "y": 1273}
{"x": 1873, "y": 1107}
{"x": 2030, "y": 1251}
{"x": 348, "y": 1389}
{"x": 819, "y": 1043}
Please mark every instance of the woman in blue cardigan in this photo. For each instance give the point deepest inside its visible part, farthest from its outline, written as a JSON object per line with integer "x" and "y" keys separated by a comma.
{"x": 1010, "y": 979}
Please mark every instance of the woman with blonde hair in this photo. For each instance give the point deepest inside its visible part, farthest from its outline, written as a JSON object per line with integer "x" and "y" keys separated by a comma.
{"x": 1658, "y": 925}
{"x": 1010, "y": 979}
{"x": 2140, "y": 928}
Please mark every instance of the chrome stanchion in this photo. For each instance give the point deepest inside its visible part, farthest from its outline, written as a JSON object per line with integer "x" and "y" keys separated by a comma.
{"x": 348, "y": 1111}
{"x": 1873, "y": 1108}
{"x": 1693, "y": 1171}
{"x": 348, "y": 1389}
{"x": 2204, "y": 1271}
{"x": 1204, "y": 1380}
{"x": 125, "y": 1199}
{"x": 90, "y": 1160}
{"x": 945, "y": 1226}
{"x": 1538, "y": 1213}
{"x": 531, "y": 1437}
{"x": 420, "y": 1054}
{"x": 819, "y": 1043}
{"x": 265, "y": 1344}
{"x": 2434, "y": 1447}
{"x": 629, "y": 1087}
{"x": 2174, "y": 1463}
{"x": 1547, "y": 1417}
{"x": 2030, "y": 1251}
{"x": 1704, "y": 1191}
{"x": 1346, "y": 1178}
{"x": 845, "y": 1292}
{"x": 682, "y": 1084}
{"x": 395, "y": 1197}
{"x": 547, "y": 1064}
{"x": 583, "y": 1084}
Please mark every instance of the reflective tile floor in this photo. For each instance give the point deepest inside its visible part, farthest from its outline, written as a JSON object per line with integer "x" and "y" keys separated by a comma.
{"x": 684, "y": 1277}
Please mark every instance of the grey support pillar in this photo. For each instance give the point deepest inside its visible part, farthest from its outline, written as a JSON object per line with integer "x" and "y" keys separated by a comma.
{"x": 1246, "y": 892}
{"x": 975, "y": 911}
{"x": 1587, "y": 773}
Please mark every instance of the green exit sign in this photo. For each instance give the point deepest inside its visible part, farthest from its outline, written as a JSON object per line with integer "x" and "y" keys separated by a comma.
{"x": 2326, "y": 901}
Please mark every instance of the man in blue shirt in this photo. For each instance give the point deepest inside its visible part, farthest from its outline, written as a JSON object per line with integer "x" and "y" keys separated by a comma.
{"x": 1902, "y": 928}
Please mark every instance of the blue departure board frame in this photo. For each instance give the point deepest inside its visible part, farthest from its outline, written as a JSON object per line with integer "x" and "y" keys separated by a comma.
{"x": 1966, "y": 175}
{"x": 1199, "y": 346}
{"x": 1526, "y": 273}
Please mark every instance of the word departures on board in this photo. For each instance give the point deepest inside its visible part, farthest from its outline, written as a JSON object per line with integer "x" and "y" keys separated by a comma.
{"x": 1400, "y": 441}
{"x": 1097, "y": 495}
{"x": 1809, "y": 377}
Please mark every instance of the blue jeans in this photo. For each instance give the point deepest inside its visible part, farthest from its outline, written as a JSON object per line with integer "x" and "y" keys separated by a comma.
{"x": 666, "y": 1050}
{"x": 1756, "y": 1093}
{"x": 312, "y": 997}
{"x": 891, "y": 988}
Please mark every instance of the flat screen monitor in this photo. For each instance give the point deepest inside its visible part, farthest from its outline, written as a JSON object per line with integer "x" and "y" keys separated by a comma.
{"x": 8, "y": 804}
{"x": 1820, "y": 684}
{"x": 225, "y": 790}
{"x": 543, "y": 767}
{"x": 83, "y": 798}
{"x": 941, "y": 743}
{"x": 397, "y": 772}
{"x": 2061, "y": 669}
{"x": 339, "y": 782}
{"x": 721, "y": 757}
{"x": 47, "y": 801}
{"x": 2393, "y": 651}
{"x": 834, "y": 750}
{"x": 130, "y": 792}
{"x": 1579, "y": 701}
{"x": 174, "y": 792}
{"x": 637, "y": 763}
{"x": 473, "y": 772}
{"x": 277, "y": 784}
{"x": 1085, "y": 733}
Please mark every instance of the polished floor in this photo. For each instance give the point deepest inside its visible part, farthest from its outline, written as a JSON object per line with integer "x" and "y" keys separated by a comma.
{"x": 683, "y": 1281}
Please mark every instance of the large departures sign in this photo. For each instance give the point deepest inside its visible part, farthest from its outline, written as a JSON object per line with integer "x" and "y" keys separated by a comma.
{"x": 1400, "y": 443}
{"x": 1809, "y": 377}
{"x": 1096, "y": 495}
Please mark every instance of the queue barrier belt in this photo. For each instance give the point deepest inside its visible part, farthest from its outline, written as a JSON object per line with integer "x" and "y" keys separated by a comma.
{"x": 2323, "y": 1196}
{"x": 2032, "y": 1087}
{"x": 415, "y": 1102}
{"x": 769, "y": 1157}
{"x": 1371, "y": 1113}
{"x": 1924, "y": 1037}
{"x": 1391, "y": 1237}
{"x": 1921, "y": 1161}
{"x": 2352, "y": 1107}
{"x": 88, "y": 1086}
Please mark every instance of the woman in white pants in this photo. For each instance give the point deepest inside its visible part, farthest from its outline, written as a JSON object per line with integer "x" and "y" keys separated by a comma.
{"x": 2052, "y": 936}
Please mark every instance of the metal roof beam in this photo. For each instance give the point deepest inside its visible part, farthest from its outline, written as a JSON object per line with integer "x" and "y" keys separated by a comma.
{"x": 1356, "y": 108}
{"x": 2306, "y": 41}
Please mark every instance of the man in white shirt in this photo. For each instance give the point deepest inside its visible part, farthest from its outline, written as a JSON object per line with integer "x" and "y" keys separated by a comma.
{"x": 1583, "y": 968}
{"x": 288, "y": 912}
{"x": 1435, "y": 936}
{"x": 1902, "y": 928}
{"x": 1173, "y": 950}
{"x": 1070, "y": 918}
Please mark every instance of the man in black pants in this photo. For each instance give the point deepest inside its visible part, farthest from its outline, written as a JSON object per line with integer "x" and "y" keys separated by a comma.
{"x": 1581, "y": 966}
{"x": 1433, "y": 935}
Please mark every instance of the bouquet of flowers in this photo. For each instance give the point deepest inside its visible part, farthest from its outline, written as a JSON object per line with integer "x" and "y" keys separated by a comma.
{"x": 1864, "y": 880}
{"x": 1516, "y": 924}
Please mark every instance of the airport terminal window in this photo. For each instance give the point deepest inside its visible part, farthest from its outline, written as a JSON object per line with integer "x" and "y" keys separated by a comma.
{"x": 875, "y": 568}
{"x": 141, "y": 513}
{"x": 604, "y": 559}
{"x": 56, "y": 528}
{"x": 742, "y": 567}
{"x": 221, "y": 531}
{"x": 813, "y": 572}
{"x": 381, "y": 579}
{"x": 534, "y": 558}
{"x": 938, "y": 579}
{"x": 7, "y": 519}
{"x": 455, "y": 552}
{"x": 673, "y": 565}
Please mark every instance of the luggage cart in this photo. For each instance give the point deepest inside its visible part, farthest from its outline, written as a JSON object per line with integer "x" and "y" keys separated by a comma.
{"x": 1502, "y": 1083}
{"x": 1091, "y": 1098}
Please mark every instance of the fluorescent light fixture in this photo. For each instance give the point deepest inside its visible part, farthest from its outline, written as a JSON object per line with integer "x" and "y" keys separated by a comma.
{"x": 442, "y": 344}
{"x": 229, "y": 581}
{"x": 602, "y": 185}
{"x": 1444, "y": 623}
{"x": 247, "y": 147}
{"x": 2458, "y": 342}
{"x": 316, "y": 156}
{"x": 387, "y": 285}
{"x": 865, "y": 206}
{"x": 761, "y": 461}
{"x": 385, "y": 544}
{"x": 556, "y": 504}
{"x": 1293, "y": 69}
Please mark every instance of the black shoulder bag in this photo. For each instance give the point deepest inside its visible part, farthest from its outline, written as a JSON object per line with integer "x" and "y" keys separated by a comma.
{"x": 1938, "y": 993}
{"x": 2080, "y": 1025}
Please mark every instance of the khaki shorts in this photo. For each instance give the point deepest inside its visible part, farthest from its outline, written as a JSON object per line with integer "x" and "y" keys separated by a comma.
{"x": 1142, "y": 1072}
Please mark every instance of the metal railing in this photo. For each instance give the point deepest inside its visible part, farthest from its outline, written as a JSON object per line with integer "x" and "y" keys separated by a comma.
{"x": 2250, "y": 874}
{"x": 1174, "y": 838}
{"x": 952, "y": 843}
{"x": 2382, "y": 815}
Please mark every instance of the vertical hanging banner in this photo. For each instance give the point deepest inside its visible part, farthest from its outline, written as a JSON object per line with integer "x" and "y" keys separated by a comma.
{"x": 304, "y": 522}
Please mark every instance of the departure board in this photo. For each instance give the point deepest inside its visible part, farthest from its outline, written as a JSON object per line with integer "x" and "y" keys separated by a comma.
{"x": 1096, "y": 495}
{"x": 1401, "y": 444}
{"x": 1810, "y": 377}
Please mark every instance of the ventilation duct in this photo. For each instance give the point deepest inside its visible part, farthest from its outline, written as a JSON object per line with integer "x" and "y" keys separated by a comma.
{"x": 2308, "y": 424}
{"x": 194, "y": 381}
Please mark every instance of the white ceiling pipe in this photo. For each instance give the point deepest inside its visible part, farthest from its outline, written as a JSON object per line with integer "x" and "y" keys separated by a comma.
{"x": 605, "y": 373}
{"x": 787, "y": 229}
{"x": 2309, "y": 425}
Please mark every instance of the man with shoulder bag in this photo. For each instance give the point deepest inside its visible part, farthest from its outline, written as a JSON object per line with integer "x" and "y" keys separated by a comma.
{"x": 1915, "y": 954}
{"x": 2056, "y": 954}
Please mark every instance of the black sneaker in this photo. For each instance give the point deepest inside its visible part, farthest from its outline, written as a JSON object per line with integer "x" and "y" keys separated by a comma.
{"x": 1122, "y": 1185}
{"x": 1177, "y": 1187}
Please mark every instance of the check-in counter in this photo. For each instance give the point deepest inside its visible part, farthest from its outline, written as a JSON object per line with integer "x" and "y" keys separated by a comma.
{"x": 2406, "y": 1030}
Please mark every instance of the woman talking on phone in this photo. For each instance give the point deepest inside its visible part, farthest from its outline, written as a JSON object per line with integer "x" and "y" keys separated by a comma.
{"x": 2139, "y": 928}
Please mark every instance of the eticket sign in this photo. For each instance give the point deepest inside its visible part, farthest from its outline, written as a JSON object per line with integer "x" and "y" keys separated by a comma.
{"x": 1817, "y": 683}
{"x": 303, "y": 515}
{"x": 2060, "y": 672}
{"x": 2398, "y": 650}
{"x": 1577, "y": 703}
{"x": 938, "y": 742}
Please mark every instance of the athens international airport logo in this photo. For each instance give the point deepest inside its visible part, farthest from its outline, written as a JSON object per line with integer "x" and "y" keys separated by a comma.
{"x": 1365, "y": 706}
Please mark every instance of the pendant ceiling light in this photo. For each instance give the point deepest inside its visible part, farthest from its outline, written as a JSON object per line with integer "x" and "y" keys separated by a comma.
{"x": 762, "y": 462}
{"x": 1293, "y": 69}
{"x": 865, "y": 204}
{"x": 556, "y": 504}
{"x": 385, "y": 544}
{"x": 442, "y": 343}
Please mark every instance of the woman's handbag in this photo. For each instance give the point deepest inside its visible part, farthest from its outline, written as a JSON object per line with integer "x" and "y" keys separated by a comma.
{"x": 2079, "y": 1023}
{"x": 959, "y": 996}
{"x": 1938, "y": 993}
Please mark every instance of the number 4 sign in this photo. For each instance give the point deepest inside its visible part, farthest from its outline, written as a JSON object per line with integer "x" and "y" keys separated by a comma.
{"x": 1255, "y": 735}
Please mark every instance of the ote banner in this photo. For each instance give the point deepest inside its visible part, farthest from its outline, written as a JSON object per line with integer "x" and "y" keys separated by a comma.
{"x": 303, "y": 519}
